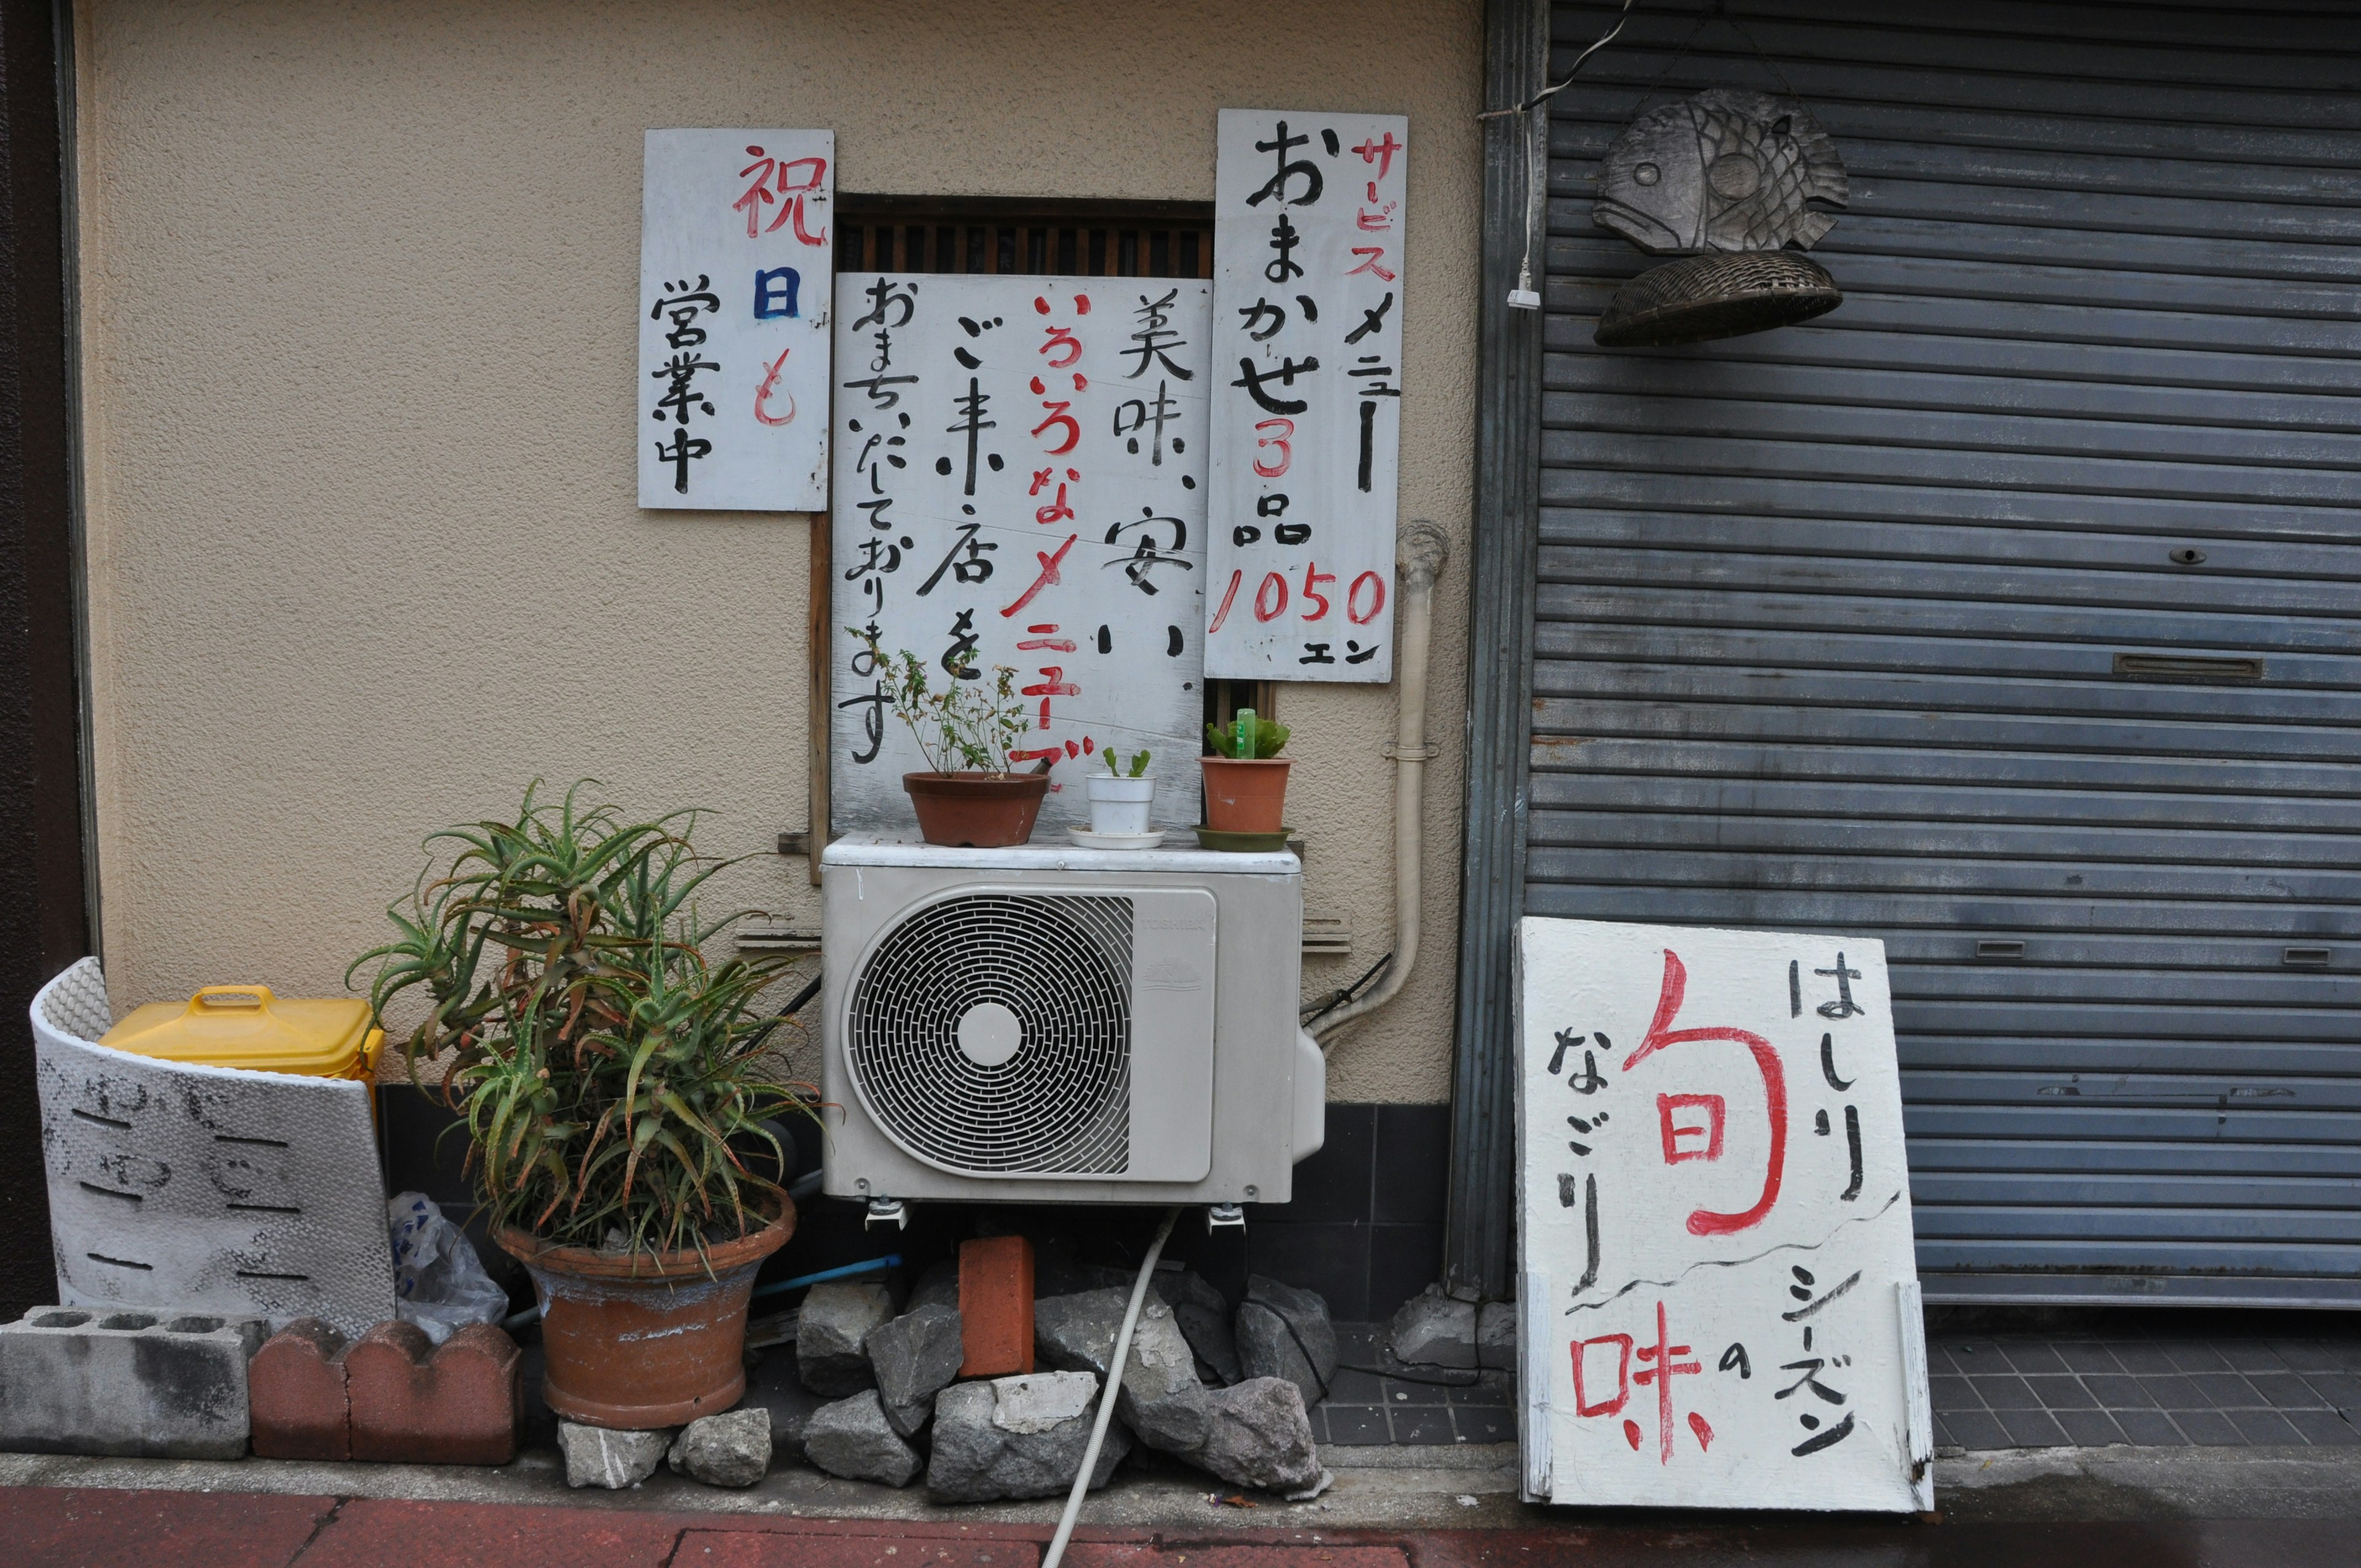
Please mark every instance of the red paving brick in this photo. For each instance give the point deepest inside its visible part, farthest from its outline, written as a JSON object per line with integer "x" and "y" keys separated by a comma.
{"x": 772, "y": 1548}
{"x": 373, "y": 1533}
{"x": 414, "y": 1402}
{"x": 94, "y": 1529}
{"x": 995, "y": 1280}
{"x": 296, "y": 1391}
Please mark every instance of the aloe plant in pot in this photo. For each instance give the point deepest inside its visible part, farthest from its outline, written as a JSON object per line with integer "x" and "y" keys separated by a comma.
{"x": 969, "y": 796}
{"x": 614, "y": 1083}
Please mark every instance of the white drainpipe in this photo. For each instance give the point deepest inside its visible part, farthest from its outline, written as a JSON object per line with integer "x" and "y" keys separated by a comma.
{"x": 1419, "y": 554}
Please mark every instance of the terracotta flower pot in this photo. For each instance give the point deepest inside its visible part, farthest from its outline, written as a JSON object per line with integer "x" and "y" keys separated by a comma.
{"x": 976, "y": 811}
{"x": 1246, "y": 797}
{"x": 637, "y": 1342}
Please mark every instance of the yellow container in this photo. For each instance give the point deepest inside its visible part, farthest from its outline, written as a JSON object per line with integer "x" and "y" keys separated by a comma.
{"x": 246, "y": 1026}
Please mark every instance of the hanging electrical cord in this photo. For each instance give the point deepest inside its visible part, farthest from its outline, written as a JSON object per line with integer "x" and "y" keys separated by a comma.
{"x": 1525, "y": 297}
{"x": 1113, "y": 1381}
{"x": 1342, "y": 995}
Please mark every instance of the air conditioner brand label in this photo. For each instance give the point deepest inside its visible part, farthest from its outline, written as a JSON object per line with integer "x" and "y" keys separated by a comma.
{"x": 1169, "y": 974}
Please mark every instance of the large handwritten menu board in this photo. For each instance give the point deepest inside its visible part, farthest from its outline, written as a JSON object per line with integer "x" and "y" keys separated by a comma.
{"x": 1720, "y": 1304}
{"x": 1020, "y": 480}
{"x": 736, "y": 272}
{"x": 1308, "y": 282}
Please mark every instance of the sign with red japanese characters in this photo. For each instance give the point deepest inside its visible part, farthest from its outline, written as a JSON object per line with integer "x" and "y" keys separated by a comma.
{"x": 1719, "y": 1304}
{"x": 1308, "y": 286}
{"x": 736, "y": 276}
{"x": 1020, "y": 481}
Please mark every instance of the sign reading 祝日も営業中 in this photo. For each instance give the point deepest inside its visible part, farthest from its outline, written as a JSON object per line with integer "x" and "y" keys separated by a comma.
{"x": 1719, "y": 1304}
{"x": 1020, "y": 481}
{"x": 1309, "y": 218}
{"x": 736, "y": 276}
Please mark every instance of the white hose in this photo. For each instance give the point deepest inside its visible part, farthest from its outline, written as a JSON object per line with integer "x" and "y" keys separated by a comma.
{"x": 1107, "y": 1392}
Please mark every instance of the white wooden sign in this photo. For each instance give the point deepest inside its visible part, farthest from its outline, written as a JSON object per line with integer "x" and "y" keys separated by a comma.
{"x": 736, "y": 276}
{"x": 1309, "y": 215}
{"x": 1020, "y": 480}
{"x": 1719, "y": 1301}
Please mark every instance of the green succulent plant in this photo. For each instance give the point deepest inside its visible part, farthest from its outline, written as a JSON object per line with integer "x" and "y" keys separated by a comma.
{"x": 1139, "y": 766}
{"x": 611, "y": 1077}
{"x": 1231, "y": 740}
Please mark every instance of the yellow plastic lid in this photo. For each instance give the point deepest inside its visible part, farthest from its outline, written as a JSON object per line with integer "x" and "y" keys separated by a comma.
{"x": 246, "y": 1026}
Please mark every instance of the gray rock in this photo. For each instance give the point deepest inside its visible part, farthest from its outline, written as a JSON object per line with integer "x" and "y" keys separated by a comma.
{"x": 596, "y": 1456}
{"x": 1203, "y": 1314}
{"x": 852, "y": 1438}
{"x": 937, "y": 1287}
{"x": 1257, "y": 1435}
{"x": 1285, "y": 1333}
{"x": 776, "y": 1388}
{"x": 1160, "y": 1396}
{"x": 832, "y": 1335}
{"x": 1496, "y": 1335}
{"x": 732, "y": 1448}
{"x": 1018, "y": 1437}
{"x": 915, "y": 1356}
{"x": 1433, "y": 1330}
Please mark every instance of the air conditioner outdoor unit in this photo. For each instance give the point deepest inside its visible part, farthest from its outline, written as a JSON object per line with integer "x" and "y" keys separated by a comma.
{"x": 1058, "y": 1025}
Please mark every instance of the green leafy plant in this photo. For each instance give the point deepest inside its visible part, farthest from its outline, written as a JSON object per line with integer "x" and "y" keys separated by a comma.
{"x": 1114, "y": 763}
{"x": 973, "y": 727}
{"x": 611, "y": 1077}
{"x": 1250, "y": 740}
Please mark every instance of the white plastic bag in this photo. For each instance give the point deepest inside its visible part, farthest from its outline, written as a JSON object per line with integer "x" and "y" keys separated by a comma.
{"x": 439, "y": 1283}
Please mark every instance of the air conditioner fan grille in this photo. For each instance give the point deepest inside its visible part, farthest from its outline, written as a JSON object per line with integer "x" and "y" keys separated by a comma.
{"x": 1062, "y": 964}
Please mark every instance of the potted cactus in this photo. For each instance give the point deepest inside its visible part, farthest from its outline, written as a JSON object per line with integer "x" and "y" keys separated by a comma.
{"x": 1120, "y": 796}
{"x": 1246, "y": 779}
{"x": 968, "y": 796}
{"x": 615, "y": 1083}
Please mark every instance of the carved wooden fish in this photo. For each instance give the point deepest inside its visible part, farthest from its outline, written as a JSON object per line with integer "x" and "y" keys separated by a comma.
{"x": 1727, "y": 169}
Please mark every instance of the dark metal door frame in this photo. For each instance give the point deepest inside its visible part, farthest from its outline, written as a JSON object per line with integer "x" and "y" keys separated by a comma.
{"x": 1479, "y": 1243}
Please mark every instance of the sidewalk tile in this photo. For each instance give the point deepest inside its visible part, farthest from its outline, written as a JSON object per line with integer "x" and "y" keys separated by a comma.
{"x": 2195, "y": 1357}
{"x": 370, "y": 1531}
{"x": 99, "y": 1529}
{"x": 2340, "y": 1388}
{"x": 743, "y": 1548}
{"x": 2006, "y": 1393}
{"x": 1398, "y": 1393}
{"x": 2284, "y": 1390}
{"x": 2311, "y": 1354}
{"x": 1953, "y": 1394}
{"x": 1421, "y": 1424}
{"x": 2225, "y": 1390}
{"x": 2141, "y": 1357}
{"x": 2250, "y": 1355}
{"x": 2033, "y": 1428}
{"x": 2032, "y": 1356}
{"x": 2149, "y": 1429}
{"x": 1356, "y": 1426}
{"x": 2119, "y": 1392}
{"x": 1485, "y": 1425}
{"x": 2063, "y": 1393}
{"x": 1350, "y": 1388}
{"x": 2266, "y": 1428}
{"x": 1977, "y": 1430}
{"x": 2175, "y": 1393}
{"x": 2325, "y": 1427}
{"x": 2209, "y": 1428}
{"x": 2089, "y": 1358}
{"x": 2090, "y": 1429}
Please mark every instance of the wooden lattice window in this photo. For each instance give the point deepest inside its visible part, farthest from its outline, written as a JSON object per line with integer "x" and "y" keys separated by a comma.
{"x": 1058, "y": 238}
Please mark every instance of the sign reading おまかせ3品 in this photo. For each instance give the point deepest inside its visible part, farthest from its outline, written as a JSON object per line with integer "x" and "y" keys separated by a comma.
{"x": 736, "y": 276}
{"x": 1309, "y": 215}
{"x": 1720, "y": 1300}
{"x": 1020, "y": 481}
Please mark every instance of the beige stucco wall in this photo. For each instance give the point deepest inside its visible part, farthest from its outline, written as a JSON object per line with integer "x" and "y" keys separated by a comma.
{"x": 357, "y": 284}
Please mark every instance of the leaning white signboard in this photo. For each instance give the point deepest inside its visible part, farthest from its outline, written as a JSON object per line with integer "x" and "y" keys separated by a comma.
{"x": 736, "y": 275}
{"x": 1719, "y": 1301}
{"x": 1309, "y": 219}
{"x": 1020, "y": 481}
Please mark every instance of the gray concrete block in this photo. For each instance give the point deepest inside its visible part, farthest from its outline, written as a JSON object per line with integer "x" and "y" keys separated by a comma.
{"x": 158, "y": 1386}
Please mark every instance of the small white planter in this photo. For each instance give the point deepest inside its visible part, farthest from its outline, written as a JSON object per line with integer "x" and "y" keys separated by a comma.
{"x": 1119, "y": 806}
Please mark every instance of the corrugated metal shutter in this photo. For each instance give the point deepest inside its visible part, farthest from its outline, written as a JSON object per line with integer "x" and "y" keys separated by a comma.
{"x": 1830, "y": 618}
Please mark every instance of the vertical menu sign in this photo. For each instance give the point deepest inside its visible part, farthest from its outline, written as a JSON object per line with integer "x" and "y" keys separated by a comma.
{"x": 1308, "y": 225}
{"x": 736, "y": 278}
{"x": 1020, "y": 482}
